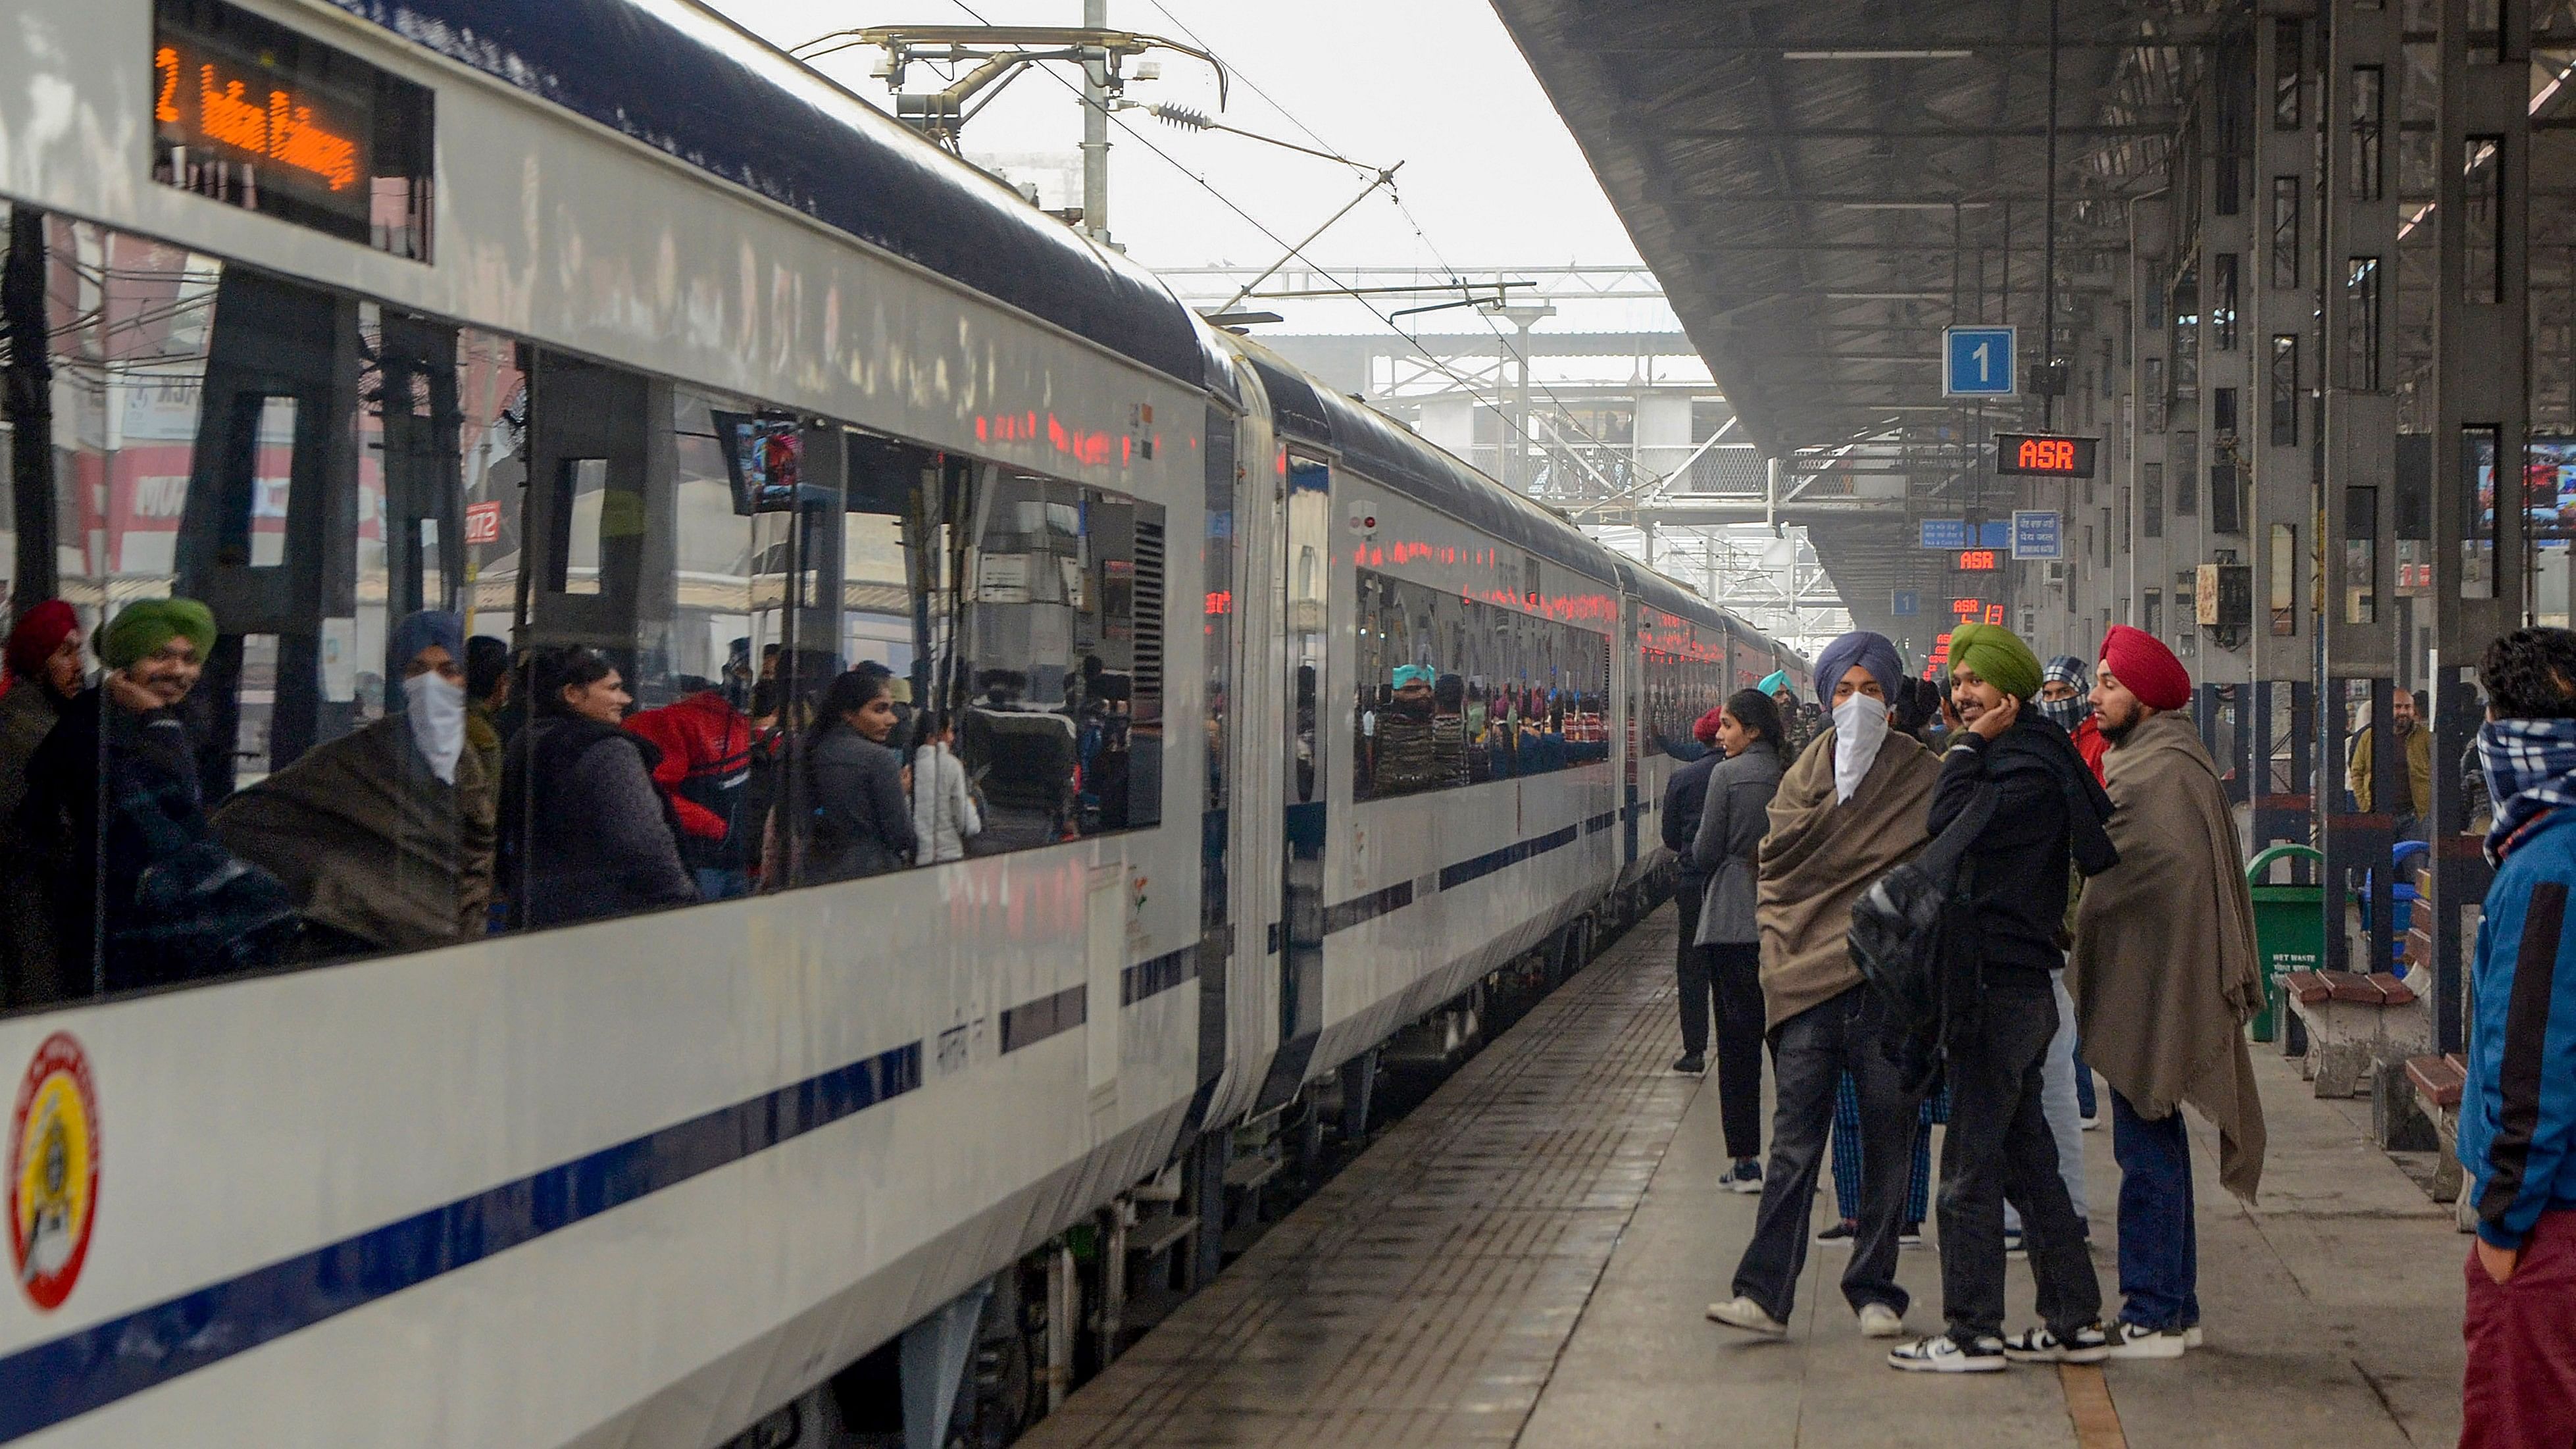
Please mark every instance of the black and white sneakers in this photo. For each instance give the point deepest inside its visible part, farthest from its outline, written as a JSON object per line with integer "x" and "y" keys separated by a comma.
{"x": 2089, "y": 1344}
{"x": 1940, "y": 1355}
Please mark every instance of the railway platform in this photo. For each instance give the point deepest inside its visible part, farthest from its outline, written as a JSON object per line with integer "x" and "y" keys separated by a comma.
{"x": 1524, "y": 1260}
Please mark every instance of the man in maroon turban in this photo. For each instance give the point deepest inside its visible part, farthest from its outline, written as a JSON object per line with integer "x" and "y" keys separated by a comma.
{"x": 2164, "y": 974}
{"x": 1685, "y": 796}
{"x": 44, "y": 660}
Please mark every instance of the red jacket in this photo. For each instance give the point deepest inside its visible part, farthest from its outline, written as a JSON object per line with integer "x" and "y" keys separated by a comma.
{"x": 706, "y": 759}
{"x": 2090, "y": 744}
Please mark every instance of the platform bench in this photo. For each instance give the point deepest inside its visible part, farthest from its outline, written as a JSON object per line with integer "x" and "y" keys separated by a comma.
{"x": 2356, "y": 1025}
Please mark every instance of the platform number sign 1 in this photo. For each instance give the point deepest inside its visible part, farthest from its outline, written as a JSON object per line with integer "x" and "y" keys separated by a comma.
{"x": 1978, "y": 362}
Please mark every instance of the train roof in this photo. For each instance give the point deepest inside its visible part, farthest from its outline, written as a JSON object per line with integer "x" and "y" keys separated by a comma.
{"x": 694, "y": 86}
{"x": 1393, "y": 456}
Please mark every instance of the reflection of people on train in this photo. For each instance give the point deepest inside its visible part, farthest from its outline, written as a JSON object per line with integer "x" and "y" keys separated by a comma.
{"x": 1475, "y": 723}
{"x": 1404, "y": 760}
{"x": 861, "y": 823}
{"x": 1025, "y": 757}
{"x": 384, "y": 835}
{"x": 1449, "y": 729}
{"x": 45, "y": 676}
{"x": 143, "y": 893}
{"x": 944, "y": 816}
{"x": 584, "y": 833}
{"x": 487, "y": 698}
{"x": 1306, "y": 706}
{"x": 706, "y": 749}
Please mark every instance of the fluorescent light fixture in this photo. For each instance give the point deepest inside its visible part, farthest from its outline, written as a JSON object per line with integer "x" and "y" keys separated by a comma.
{"x": 1876, "y": 54}
{"x": 1916, "y": 205}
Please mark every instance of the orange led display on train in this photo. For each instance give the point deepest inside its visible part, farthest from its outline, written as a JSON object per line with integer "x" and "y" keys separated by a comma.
{"x": 279, "y": 125}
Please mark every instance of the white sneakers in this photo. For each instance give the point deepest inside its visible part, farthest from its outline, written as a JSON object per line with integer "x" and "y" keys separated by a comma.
{"x": 1877, "y": 1320}
{"x": 1748, "y": 1315}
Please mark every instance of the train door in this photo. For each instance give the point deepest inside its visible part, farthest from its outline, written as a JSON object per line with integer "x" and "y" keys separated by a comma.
{"x": 1305, "y": 580}
{"x": 267, "y": 534}
{"x": 588, "y": 502}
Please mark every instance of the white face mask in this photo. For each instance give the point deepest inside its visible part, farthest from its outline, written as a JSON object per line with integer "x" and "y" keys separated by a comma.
{"x": 436, "y": 708}
{"x": 1860, "y": 727}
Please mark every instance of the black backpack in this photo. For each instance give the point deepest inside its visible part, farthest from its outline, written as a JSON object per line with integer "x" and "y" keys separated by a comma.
{"x": 1899, "y": 939}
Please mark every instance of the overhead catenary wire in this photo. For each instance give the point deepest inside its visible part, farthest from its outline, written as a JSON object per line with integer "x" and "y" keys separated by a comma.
{"x": 1563, "y": 411}
{"x": 1298, "y": 252}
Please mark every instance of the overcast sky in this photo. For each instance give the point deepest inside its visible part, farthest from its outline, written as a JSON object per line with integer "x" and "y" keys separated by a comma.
{"x": 1490, "y": 174}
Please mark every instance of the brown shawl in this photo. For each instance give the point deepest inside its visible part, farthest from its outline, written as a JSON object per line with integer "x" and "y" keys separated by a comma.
{"x": 1821, "y": 854}
{"x": 370, "y": 842}
{"x": 2164, "y": 957}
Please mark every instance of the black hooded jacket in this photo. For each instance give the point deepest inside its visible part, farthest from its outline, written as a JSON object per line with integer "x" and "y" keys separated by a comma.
{"x": 2048, "y": 808}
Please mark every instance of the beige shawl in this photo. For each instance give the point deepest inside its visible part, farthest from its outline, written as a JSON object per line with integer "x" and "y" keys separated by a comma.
{"x": 2164, "y": 965}
{"x": 1819, "y": 857}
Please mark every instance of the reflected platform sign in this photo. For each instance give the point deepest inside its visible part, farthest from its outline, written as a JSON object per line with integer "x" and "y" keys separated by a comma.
{"x": 1955, "y": 533}
{"x": 1977, "y": 362}
{"x": 2038, "y": 534}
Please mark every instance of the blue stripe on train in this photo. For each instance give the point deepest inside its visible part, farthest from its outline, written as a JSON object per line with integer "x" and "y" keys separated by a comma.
{"x": 50, "y": 1382}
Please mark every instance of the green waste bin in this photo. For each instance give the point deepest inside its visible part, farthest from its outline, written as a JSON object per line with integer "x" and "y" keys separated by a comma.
{"x": 2289, "y": 932}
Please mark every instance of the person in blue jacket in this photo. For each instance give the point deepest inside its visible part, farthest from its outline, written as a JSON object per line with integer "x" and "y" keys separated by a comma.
{"x": 2518, "y": 1108}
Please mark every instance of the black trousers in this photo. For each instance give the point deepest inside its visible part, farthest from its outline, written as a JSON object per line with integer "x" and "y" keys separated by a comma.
{"x": 1809, "y": 1055}
{"x": 1998, "y": 1146}
{"x": 1735, "y": 976}
{"x": 1690, "y": 966}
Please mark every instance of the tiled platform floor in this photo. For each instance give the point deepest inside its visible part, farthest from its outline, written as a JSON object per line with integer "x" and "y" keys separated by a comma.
{"x": 1525, "y": 1259}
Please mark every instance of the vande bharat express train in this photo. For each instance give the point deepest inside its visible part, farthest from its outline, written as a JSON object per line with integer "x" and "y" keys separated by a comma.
{"x": 599, "y": 322}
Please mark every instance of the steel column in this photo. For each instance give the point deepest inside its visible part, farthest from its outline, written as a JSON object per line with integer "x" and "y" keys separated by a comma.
{"x": 2481, "y": 315}
{"x": 2364, "y": 73}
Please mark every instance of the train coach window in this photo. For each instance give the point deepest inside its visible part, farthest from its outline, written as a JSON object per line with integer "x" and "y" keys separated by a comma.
{"x": 1455, "y": 691}
{"x": 1062, "y": 661}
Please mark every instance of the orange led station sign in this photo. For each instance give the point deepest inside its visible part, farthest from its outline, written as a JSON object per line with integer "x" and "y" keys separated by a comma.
{"x": 1977, "y": 560}
{"x": 2043, "y": 456}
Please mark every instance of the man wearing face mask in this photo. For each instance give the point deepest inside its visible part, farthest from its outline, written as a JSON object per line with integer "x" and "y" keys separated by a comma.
{"x": 2065, "y": 696}
{"x": 1845, "y": 813}
{"x": 2166, "y": 975}
{"x": 384, "y": 835}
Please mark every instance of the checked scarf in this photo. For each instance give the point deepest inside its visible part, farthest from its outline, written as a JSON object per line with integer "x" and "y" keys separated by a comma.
{"x": 2530, "y": 765}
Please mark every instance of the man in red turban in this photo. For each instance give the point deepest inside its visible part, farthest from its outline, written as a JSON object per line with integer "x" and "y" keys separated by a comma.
{"x": 2146, "y": 668}
{"x": 2165, "y": 975}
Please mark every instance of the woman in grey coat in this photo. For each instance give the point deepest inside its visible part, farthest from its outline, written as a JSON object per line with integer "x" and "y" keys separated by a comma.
{"x": 862, "y": 822}
{"x": 1732, "y": 823}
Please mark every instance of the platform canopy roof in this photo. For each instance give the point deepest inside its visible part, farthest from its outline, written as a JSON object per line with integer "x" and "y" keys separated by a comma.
{"x": 1824, "y": 188}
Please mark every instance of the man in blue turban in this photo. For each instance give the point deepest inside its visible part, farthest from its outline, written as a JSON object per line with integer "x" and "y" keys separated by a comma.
{"x": 1870, "y": 651}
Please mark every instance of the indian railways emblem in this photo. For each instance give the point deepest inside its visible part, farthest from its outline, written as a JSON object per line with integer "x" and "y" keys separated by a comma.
{"x": 53, "y": 1171}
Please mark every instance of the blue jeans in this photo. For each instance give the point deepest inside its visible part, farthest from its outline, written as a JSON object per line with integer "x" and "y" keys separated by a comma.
{"x": 2159, "y": 1249}
{"x": 2085, "y": 1104}
{"x": 718, "y": 884}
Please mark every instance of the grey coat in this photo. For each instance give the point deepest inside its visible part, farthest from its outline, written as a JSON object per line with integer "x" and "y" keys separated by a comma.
{"x": 1731, "y": 826}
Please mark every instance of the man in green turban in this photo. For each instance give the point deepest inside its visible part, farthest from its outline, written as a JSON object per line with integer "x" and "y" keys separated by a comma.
{"x": 1997, "y": 656}
{"x": 155, "y": 649}
{"x": 2013, "y": 777}
{"x": 142, "y": 893}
